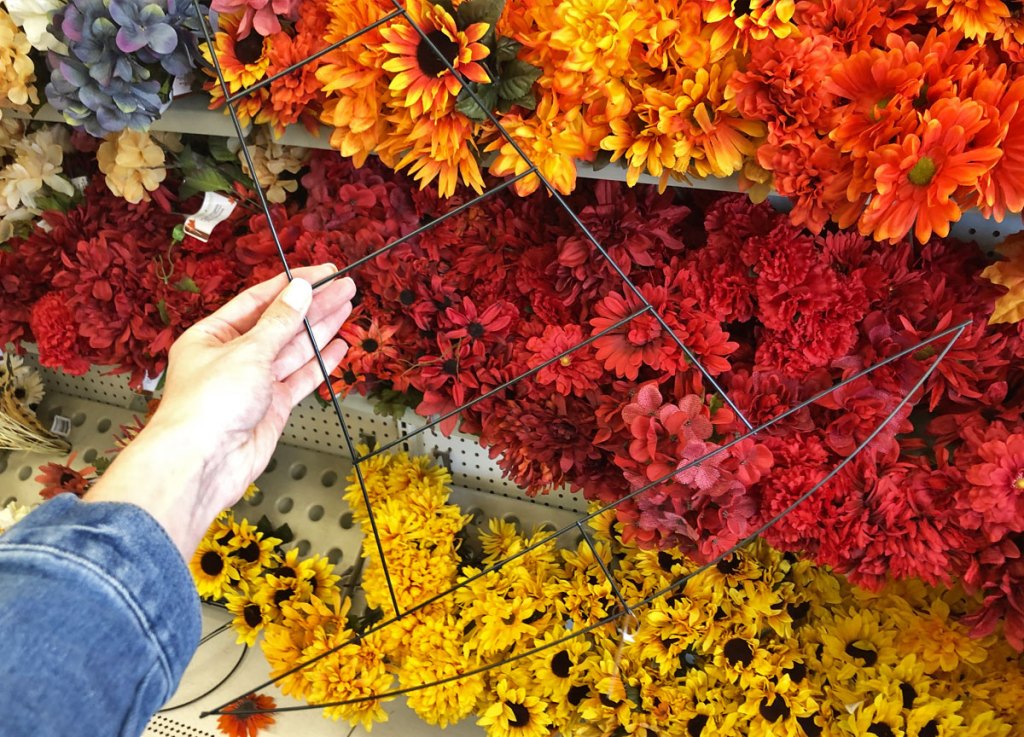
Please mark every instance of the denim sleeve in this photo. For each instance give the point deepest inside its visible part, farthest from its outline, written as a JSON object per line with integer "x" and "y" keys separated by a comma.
{"x": 98, "y": 619}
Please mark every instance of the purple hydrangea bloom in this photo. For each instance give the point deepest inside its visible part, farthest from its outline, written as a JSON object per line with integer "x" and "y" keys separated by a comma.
{"x": 121, "y": 57}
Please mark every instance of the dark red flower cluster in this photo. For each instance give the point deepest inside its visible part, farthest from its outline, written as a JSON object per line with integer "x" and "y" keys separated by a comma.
{"x": 509, "y": 286}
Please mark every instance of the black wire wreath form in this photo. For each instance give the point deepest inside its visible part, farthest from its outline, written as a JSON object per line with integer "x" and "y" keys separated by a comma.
{"x": 624, "y": 609}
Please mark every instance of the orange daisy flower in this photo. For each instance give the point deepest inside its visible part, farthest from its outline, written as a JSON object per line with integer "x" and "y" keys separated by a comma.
{"x": 247, "y": 725}
{"x": 1001, "y": 189}
{"x": 441, "y": 149}
{"x": 976, "y": 19}
{"x": 243, "y": 62}
{"x": 422, "y": 81}
{"x": 918, "y": 180}
{"x": 552, "y": 139}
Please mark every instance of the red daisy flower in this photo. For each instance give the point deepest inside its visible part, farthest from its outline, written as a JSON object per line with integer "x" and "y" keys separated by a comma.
{"x": 58, "y": 478}
{"x": 247, "y": 725}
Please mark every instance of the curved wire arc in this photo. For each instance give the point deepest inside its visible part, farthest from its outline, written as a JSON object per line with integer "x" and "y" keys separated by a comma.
{"x": 681, "y": 581}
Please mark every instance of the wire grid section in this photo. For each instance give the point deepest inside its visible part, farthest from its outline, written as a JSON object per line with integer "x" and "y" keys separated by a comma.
{"x": 625, "y": 611}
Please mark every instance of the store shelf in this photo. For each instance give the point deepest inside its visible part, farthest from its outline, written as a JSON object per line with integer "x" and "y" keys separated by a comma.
{"x": 301, "y": 487}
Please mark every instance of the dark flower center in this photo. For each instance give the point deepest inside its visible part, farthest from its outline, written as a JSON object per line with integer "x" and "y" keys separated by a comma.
{"x": 349, "y": 376}
{"x": 284, "y": 572}
{"x": 695, "y": 726}
{"x": 407, "y": 297}
{"x": 250, "y": 48}
{"x": 520, "y": 715}
{"x": 798, "y": 612}
{"x": 870, "y": 657}
{"x": 741, "y": 8}
{"x": 66, "y": 477}
{"x": 560, "y": 664}
{"x": 809, "y": 726}
{"x": 729, "y": 565}
{"x": 881, "y": 729}
{"x": 665, "y": 561}
{"x": 475, "y": 330}
{"x": 211, "y": 563}
{"x": 775, "y": 710}
{"x": 577, "y": 694}
{"x": 282, "y": 595}
{"x": 428, "y": 61}
{"x": 797, "y": 673}
{"x": 250, "y": 553}
{"x": 252, "y": 615}
{"x": 738, "y": 651}
{"x": 909, "y": 695}
{"x": 930, "y": 729}
{"x": 19, "y": 393}
{"x": 370, "y": 345}
{"x": 451, "y": 366}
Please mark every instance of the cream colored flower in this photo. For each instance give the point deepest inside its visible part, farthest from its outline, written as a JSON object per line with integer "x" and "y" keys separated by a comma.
{"x": 37, "y": 166}
{"x": 17, "y": 72}
{"x": 272, "y": 160}
{"x": 33, "y": 17}
{"x": 11, "y": 515}
{"x": 11, "y": 131}
{"x": 133, "y": 163}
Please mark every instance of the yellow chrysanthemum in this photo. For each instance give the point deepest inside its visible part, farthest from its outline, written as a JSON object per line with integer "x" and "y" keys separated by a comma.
{"x": 355, "y": 671}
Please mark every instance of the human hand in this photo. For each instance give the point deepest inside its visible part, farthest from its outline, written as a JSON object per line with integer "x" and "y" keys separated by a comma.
{"x": 232, "y": 380}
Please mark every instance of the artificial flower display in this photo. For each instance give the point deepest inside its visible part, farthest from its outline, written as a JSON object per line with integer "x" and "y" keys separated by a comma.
{"x": 761, "y": 643}
{"x": 774, "y": 313}
{"x": 120, "y": 60}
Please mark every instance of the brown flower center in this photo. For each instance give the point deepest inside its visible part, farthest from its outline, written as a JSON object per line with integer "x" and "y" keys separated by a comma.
{"x": 249, "y": 49}
{"x": 738, "y": 651}
{"x": 561, "y": 663}
{"x": 428, "y": 61}
{"x": 211, "y": 563}
{"x": 520, "y": 715}
{"x": 252, "y": 615}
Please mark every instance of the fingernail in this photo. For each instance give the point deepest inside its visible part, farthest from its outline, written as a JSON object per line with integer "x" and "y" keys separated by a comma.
{"x": 297, "y": 294}
{"x": 332, "y": 267}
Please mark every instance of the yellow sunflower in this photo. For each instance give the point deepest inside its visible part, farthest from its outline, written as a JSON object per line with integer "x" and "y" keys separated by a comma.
{"x": 243, "y": 63}
{"x": 514, "y": 712}
{"x": 422, "y": 82}
{"x": 250, "y": 616}
{"x": 212, "y": 569}
{"x": 318, "y": 573}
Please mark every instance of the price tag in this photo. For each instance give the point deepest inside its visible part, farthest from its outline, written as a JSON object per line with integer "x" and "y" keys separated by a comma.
{"x": 216, "y": 209}
{"x": 80, "y": 183}
{"x": 61, "y": 425}
{"x": 149, "y": 383}
{"x": 181, "y": 86}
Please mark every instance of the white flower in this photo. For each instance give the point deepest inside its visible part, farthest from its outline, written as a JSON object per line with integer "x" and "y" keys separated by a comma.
{"x": 11, "y": 515}
{"x": 33, "y": 17}
{"x": 38, "y": 161}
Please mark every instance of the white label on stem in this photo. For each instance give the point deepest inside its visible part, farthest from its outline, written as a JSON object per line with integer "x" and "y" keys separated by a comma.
{"x": 216, "y": 208}
{"x": 61, "y": 426}
{"x": 150, "y": 384}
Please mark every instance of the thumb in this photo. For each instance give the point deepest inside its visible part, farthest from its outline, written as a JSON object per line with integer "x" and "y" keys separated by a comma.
{"x": 282, "y": 319}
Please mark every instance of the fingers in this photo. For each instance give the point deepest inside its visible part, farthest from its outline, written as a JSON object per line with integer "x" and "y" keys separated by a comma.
{"x": 243, "y": 311}
{"x": 302, "y": 382}
{"x": 281, "y": 320}
{"x": 300, "y": 350}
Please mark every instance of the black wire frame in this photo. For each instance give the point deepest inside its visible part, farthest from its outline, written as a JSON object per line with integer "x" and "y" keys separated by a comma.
{"x": 624, "y": 608}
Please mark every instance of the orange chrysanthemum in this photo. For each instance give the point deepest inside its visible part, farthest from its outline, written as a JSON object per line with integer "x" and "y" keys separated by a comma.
{"x": 552, "y": 139}
{"x": 1001, "y": 188}
{"x": 353, "y": 80}
{"x": 441, "y": 149}
{"x": 743, "y": 20}
{"x": 919, "y": 179}
{"x": 294, "y": 96}
{"x": 976, "y": 19}
{"x": 421, "y": 80}
{"x": 246, "y": 725}
{"x": 244, "y": 63}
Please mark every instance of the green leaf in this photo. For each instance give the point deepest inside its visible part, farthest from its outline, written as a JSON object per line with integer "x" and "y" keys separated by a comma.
{"x": 284, "y": 533}
{"x": 603, "y": 159}
{"x": 186, "y": 284}
{"x": 479, "y": 11}
{"x": 101, "y": 464}
{"x": 469, "y": 107}
{"x": 527, "y": 101}
{"x": 517, "y": 78}
{"x": 161, "y": 307}
{"x": 163, "y": 380}
{"x": 178, "y": 234}
{"x": 219, "y": 150}
{"x": 208, "y": 179}
{"x": 506, "y": 49}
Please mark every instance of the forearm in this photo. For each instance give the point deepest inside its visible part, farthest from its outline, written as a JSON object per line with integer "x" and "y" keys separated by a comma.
{"x": 100, "y": 618}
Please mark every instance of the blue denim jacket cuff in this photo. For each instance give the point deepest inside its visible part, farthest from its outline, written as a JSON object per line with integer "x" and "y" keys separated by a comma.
{"x": 137, "y": 554}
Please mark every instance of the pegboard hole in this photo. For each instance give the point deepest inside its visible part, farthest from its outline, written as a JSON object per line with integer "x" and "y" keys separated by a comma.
{"x": 90, "y": 455}
{"x": 346, "y": 521}
{"x": 511, "y": 519}
{"x": 78, "y": 419}
{"x": 103, "y": 425}
{"x": 303, "y": 546}
{"x": 24, "y": 473}
{"x": 285, "y": 504}
{"x": 256, "y": 499}
{"x": 10, "y": 500}
{"x": 476, "y": 514}
{"x": 334, "y": 555}
{"x": 328, "y": 478}
{"x": 316, "y": 513}
{"x": 297, "y": 471}
{"x": 271, "y": 466}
